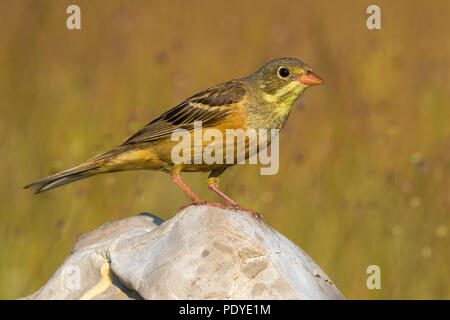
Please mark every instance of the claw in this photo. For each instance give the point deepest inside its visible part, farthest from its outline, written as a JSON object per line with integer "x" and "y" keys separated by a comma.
{"x": 254, "y": 214}
{"x": 205, "y": 203}
{"x": 213, "y": 187}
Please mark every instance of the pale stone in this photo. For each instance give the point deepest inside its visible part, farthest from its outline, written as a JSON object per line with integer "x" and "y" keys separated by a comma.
{"x": 201, "y": 253}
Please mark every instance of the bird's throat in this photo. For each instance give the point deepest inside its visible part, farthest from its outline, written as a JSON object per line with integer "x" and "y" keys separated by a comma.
{"x": 284, "y": 103}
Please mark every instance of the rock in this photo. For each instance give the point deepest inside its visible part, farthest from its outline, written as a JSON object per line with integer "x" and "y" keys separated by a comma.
{"x": 201, "y": 253}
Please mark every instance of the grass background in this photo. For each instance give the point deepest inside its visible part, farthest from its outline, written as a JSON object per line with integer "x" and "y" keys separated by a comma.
{"x": 365, "y": 159}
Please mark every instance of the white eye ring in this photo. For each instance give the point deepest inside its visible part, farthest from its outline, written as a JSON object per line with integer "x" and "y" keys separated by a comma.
{"x": 283, "y": 72}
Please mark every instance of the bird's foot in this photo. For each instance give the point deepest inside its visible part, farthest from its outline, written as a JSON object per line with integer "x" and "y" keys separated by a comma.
{"x": 205, "y": 203}
{"x": 212, "y": 185}
{"x": 218, "y": 205}
{"x": 198, "y": 202}
{"x": 195, "y": 202}
{"x": 254, "y": 214}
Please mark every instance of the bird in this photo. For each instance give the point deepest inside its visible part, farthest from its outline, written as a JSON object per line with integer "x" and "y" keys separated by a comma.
{"x": 262, "y": 100}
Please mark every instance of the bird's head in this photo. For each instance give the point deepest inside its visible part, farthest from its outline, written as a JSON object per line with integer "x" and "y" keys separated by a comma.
{"x": 283, "y": 80}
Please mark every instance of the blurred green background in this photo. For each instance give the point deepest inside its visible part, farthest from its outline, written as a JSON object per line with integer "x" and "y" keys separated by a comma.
{"x": 365, "y": 159}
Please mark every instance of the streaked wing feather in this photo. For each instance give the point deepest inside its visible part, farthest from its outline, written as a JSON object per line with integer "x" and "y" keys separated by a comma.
{"x": 210, "y": 106}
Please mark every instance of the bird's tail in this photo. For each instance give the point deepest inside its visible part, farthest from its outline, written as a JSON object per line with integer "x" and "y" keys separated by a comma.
{"x": 89, "y": 168}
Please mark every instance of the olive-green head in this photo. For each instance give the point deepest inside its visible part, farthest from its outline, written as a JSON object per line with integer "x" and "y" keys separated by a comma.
{"x": 284, "y": 80}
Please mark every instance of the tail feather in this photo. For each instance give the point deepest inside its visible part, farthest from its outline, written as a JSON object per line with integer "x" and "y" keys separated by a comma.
{"x": 79, "y": 172}
{"x": 42, "y": 185}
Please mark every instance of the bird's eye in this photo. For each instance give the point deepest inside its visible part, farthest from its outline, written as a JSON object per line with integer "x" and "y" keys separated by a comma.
{"x": 283, "y": 72}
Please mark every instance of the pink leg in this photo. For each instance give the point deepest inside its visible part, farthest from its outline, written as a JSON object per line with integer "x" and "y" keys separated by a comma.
{"x": 196, "y": 200}
{"x": 213, "y": 187}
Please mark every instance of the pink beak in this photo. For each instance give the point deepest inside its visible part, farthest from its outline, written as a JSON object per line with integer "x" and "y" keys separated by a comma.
{"x": 310, "y": 78}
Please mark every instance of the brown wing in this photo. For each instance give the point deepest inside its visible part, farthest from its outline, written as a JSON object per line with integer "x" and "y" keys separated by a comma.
{"x": 210, "y": 106}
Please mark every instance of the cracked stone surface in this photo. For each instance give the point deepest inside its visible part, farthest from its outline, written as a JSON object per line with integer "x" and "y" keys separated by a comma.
{"x": 201, "y": 253}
